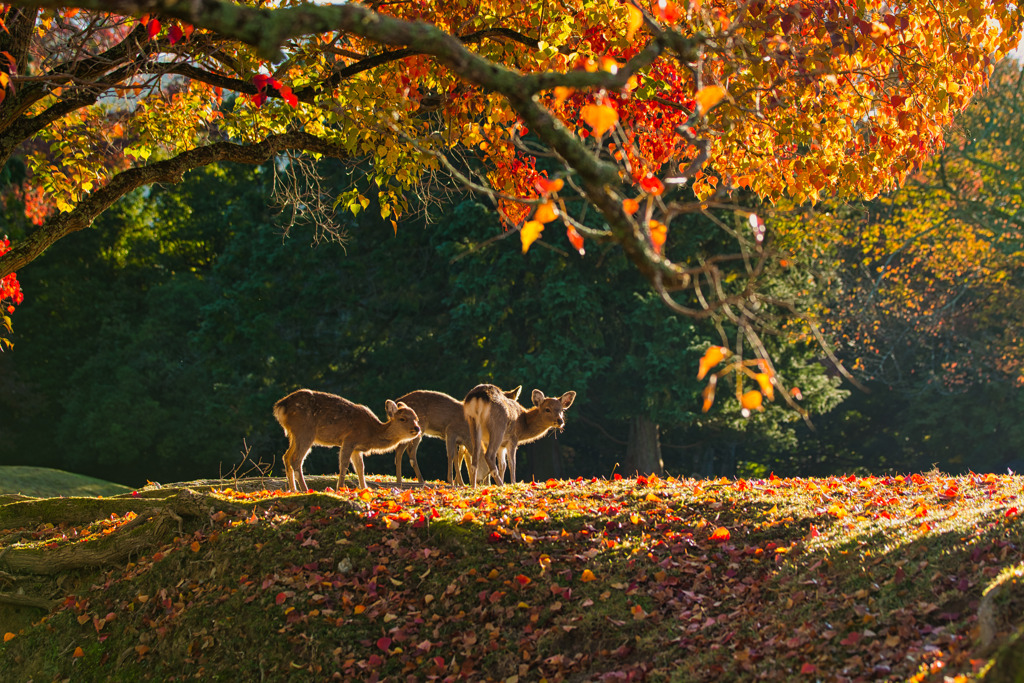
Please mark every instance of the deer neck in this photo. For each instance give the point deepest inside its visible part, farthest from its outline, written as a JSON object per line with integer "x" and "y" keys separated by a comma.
{"x": 530, "y": 426}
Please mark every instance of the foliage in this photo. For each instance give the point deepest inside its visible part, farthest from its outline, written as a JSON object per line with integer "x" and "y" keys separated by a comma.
{"x": 922, "y": 286}
{"x": 831, "y": 97}
{"x": 775, "y": 579}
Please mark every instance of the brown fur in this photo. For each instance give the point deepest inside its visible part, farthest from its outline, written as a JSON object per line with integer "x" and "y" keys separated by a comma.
{"x": 315, "y": 418}
{"x": 500, "y": 423}
{"x": 441, "y": 417}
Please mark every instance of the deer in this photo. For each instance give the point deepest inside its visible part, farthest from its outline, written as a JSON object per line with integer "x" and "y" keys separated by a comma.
{"x": 441, "y": 417}
{"x": 316, "y": 418}
{"x": 501, "y": 423}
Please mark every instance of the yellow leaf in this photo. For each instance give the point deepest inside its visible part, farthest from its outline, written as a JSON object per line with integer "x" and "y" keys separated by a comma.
{"x": 530, "y": 233}
{"x": 587, "y": 576}
{"x": 634, "y": 20}
{"x": 708, "y": 96}
{"x": 600, "y": 117}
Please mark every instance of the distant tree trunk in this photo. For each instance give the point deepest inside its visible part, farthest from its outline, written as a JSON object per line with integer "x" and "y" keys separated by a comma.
{"x": 643, "y": 452}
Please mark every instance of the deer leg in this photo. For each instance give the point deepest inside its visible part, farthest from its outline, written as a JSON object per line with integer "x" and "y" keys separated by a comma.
{"x": 502, "y": 464}
{"x": 491, "y": 455}
{"x": 344, "y": 458}
{"x": 357, "y": 460}
{"x": 410, "y": 446}
{"x": 293, "y": 459}
{"x": 510, "y": 456}
{"x": 451, "y": 447}
{"x": 413, "y": 450}
{"x": 462, "y": 457}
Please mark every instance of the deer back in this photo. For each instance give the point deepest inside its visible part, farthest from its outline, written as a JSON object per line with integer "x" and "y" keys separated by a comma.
{"x": 437, "y": 412}
{"x": 332, "y": 420}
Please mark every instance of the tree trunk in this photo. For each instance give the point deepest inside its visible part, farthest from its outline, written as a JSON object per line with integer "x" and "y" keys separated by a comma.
{"x": 643, "y": 452}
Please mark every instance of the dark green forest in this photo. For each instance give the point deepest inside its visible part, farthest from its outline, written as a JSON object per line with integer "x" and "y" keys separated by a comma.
{"x": 152, "y": 347}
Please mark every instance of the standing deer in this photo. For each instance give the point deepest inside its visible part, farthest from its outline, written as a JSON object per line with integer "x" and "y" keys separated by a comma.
{"x": 441, "y": 417}
{"x": 499, "y": 423}
{"x": 315, "y": 418}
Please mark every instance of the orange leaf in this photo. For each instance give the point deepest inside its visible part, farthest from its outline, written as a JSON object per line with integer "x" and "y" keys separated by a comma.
{"x": 79, "y": 652}
{"x": 359, "y": 609}
{"x": 752, "y": 400}
{"x": 530, "y": 233}
{"x": 523, "y": 580}
{"x": 587, "y": 575}
{"x": 8, "y": 636}
{"x": 545, "y": 186}
{"x": 195, "y": 546}
{"x": 796, "y": 394}
{"x": 712, "y": 357}
{"x": 709, "y": 397}
{"x": 709, "y": 96}
{"x": 600, "y": 117}
{"x": 630, "y": 206}
{"x": 634, "y": 20}
{"x": 575, "y": 239}
{"x": 545, "y": 213}
{"x": 659, "y": 233}
{"x": 720, "y": 534}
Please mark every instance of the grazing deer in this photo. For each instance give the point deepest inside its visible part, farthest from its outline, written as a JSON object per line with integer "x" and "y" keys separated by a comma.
{"x": 314, "y": 418}
{"x": 499, "y": 423}
{"x": 441, "y": 417}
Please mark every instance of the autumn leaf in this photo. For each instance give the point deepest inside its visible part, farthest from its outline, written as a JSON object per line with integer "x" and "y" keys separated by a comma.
{"x": 652, "y": 185}
{"x": 752, "y": 400}
{"x": 720, "y": 534}
{"x": 765, "y": 382}
{"x": 575, "y": 239}
{"x": 530, "y": 233}
{"x": 634, "y": 20}
{"x": 600, "y": 117}
{"x": 79, "y": 652}
{"x": 546, "y": 187}
{"x": 659, "y": 233}
{"x": 712, "y": 357}
{"x": 630, "y": 206}
{"x": 9, "y": 636}
{"x": 545, "y": 213}
{"x": 587, "y": 576}
{"x": 708, "y": 96}
{"x": 709, "y": 396}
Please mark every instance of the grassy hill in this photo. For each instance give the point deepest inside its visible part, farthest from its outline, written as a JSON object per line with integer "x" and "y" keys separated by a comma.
{"x": 840, "y": 579}
{"x": 43, "y": 482}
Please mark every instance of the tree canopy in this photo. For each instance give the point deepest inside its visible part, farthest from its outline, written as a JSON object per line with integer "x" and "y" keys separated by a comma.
{"x": 769, "y": 98}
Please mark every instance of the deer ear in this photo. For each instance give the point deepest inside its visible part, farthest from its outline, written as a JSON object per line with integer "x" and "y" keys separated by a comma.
{"x": 515, "y": 392}
{"x": 537, "y": 396}
{"x": 567, "y": 399}
{"x": 390, "y": 407}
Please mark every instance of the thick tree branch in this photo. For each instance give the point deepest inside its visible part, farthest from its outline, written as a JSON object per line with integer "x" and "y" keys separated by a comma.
{"x": 169, "y": 171}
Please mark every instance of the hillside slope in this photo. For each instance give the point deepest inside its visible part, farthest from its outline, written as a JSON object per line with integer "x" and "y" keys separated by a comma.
{"x": 836, "y": 579}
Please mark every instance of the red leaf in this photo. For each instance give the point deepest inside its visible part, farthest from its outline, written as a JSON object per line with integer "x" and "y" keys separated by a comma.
{"x": 651, "y": 185}
{"x": 281, "y": 597}
{"x": 808, "y": 668}
{"x": 575, "y": 239}
{"x": 153, "y": 28}
{"x": 175, "y": 34}
{"x": 384, "y": 643}
{"x": 720, "y": 534}
{"x": 523, "y": 579}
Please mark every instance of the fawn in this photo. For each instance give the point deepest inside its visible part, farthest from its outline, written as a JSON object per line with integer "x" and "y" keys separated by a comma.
{"x": 499, "y": 423}
{"x": 441, "y": 417}
{"x": 315, "y": 418}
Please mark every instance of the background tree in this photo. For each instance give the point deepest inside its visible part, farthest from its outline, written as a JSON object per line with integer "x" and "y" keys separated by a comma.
{"x": 205, "y": 328}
